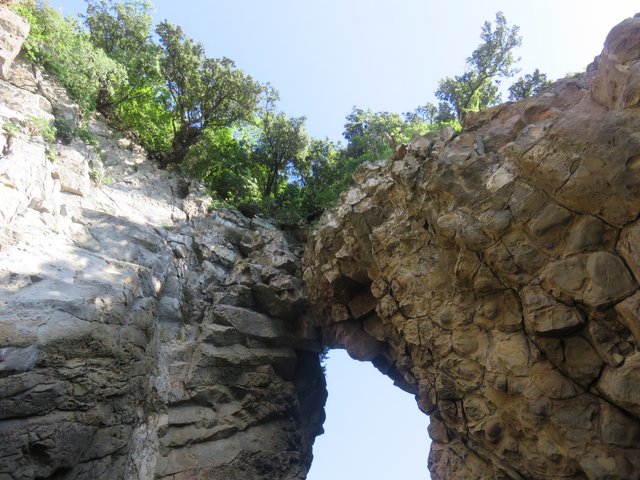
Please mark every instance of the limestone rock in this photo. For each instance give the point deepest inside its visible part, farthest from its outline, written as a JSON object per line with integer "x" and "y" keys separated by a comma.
{"x": 140, "y": 336}
{"x": 616, "y": 83}
{"x": 13, "y": 31}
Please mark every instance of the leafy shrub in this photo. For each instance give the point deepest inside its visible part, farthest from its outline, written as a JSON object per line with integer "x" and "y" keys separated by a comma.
{"x": 11, "y": 128}
{"x": 58, "y": 44}
{"x": 224, "y": 165}
{"x": 38, "y": 126}
{"x": 64, "y": 129}
{"x": 100, "y": 178}
{"x": 83, "y": 134}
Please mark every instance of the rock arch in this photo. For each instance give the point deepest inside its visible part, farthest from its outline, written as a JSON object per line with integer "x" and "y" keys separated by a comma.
{"x": 494, "y": 273}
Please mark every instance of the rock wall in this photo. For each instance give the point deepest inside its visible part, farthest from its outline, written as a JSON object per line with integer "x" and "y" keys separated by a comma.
{"x": 13, "y": 32}
{"x": 494, "y": 273}
{"x": 140, "y": 337}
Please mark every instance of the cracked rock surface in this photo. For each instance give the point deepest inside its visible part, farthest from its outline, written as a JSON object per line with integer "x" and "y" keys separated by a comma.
{"x": 140, "y": 337}
{"x": 494, "y": 274}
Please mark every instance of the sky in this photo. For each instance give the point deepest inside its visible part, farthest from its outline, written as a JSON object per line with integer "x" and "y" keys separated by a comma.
{"x": 327, "y": 56}
{"x": 373, "y": 430}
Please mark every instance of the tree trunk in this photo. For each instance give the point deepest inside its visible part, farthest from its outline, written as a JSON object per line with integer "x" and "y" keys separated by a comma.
{"x": 182, "y": 142}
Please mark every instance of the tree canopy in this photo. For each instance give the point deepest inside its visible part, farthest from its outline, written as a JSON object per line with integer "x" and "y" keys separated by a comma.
{"x": 204, "y": 92}
{"x": 493, "y": 60}
{"x": 208, "y": 118}
{"x": 529, "y": 85}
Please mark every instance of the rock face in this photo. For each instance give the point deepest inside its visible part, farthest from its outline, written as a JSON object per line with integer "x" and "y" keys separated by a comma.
{"x": 140, "y": 337}
{"x": 13, "y": 32}
{"x": 495, "y": 275}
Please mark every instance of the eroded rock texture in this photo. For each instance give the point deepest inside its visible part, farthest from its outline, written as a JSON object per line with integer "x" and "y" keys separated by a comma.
{"x": 495, "y": 275}
{"x": 141, "y": 338}
{"x": 13, "y": 32}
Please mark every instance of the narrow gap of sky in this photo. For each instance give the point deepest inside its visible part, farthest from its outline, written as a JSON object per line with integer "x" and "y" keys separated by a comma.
{"x": 373, "y": 430}
{"x": 325, "y": 56}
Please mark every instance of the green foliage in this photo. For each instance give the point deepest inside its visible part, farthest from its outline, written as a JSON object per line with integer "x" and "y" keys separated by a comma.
{"x": 123, "y": 31}
{"x": 528, "y": 85}
{"x": 100, "y": 178}
{"x": 203, "y": 92}
{"x": 328, "y": 175}
{"x": 11, "y": 128}
{"x": 147, "y": 117}
{"x": 83, "y": 134}
{"x": 373, "y": 134}
{"x": 38, "y": 126}
{"x": 223, "y": 163}
{"x": 280, "y": 150}
{"x": 66, "y": 133}
{"x": 217, "y": 123}
{"x": 139, "y": 106}
{"x": 59, "y": 45}
{"x": 65, "y": 130}
{"x": 490, "y": 62}
{"x": 51, "y": 153}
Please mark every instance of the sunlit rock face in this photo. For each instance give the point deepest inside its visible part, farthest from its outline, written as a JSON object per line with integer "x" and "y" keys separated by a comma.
{"x": 141, "y": 337}
{"x": 494, "y": 273}
{"x": 13, "y": 32}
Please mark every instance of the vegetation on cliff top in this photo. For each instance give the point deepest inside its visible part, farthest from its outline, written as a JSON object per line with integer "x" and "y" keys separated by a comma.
{"x": 210, "y": 119}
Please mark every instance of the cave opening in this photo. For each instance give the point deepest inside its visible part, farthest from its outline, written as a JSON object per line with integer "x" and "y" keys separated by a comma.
{"x": 373, "y": 429}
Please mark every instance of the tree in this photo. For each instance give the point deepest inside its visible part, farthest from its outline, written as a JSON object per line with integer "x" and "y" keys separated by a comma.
{"x": 372, "y": 135}
{"x": 327, "y": 175}
{"x": 492, "y": 61}
{"x": 123, "y": 31}
{"x": 223, "y": 162}
{"x": 58, "y": 44}
{"x": 204, "y": 92}
{"x": 529, "y": 85}
{"x": 141, "y": 105}
{"x": 119, "y": 28}
{"x": 423, "y": 114}
{"x": 281, "y": 149}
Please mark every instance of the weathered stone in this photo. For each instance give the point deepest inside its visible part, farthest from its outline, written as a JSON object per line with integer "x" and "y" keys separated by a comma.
{"x": 609, "y": 280}
{"x": 566, "y": 279}
{"x": 629, "y": 247}
{"x": 628, "y": 315}
{"x": 530, "y": 213}
{"x": 493, "y": 274}
{"x": 72, "y": 169}
{"x": 16, "y": 360}
{"x": 549, "y": 225}
{"x": 581, "y": 361}
{"x": 13, "y": 32}
{"x": 544, "y": 316}
{"x": 589, "y": 234}
{"x": 133, "y": 343}
{"x": 617, "y": 79}
{"x": 621, "y": 385}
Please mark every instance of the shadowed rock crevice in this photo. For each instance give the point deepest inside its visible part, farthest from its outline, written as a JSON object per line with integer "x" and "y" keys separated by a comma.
{"x": 498, "y": 269}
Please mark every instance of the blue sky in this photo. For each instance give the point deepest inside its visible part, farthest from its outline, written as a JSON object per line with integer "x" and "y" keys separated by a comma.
{"x": 373, "y": 431}
{"x": 325, "y": 56}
